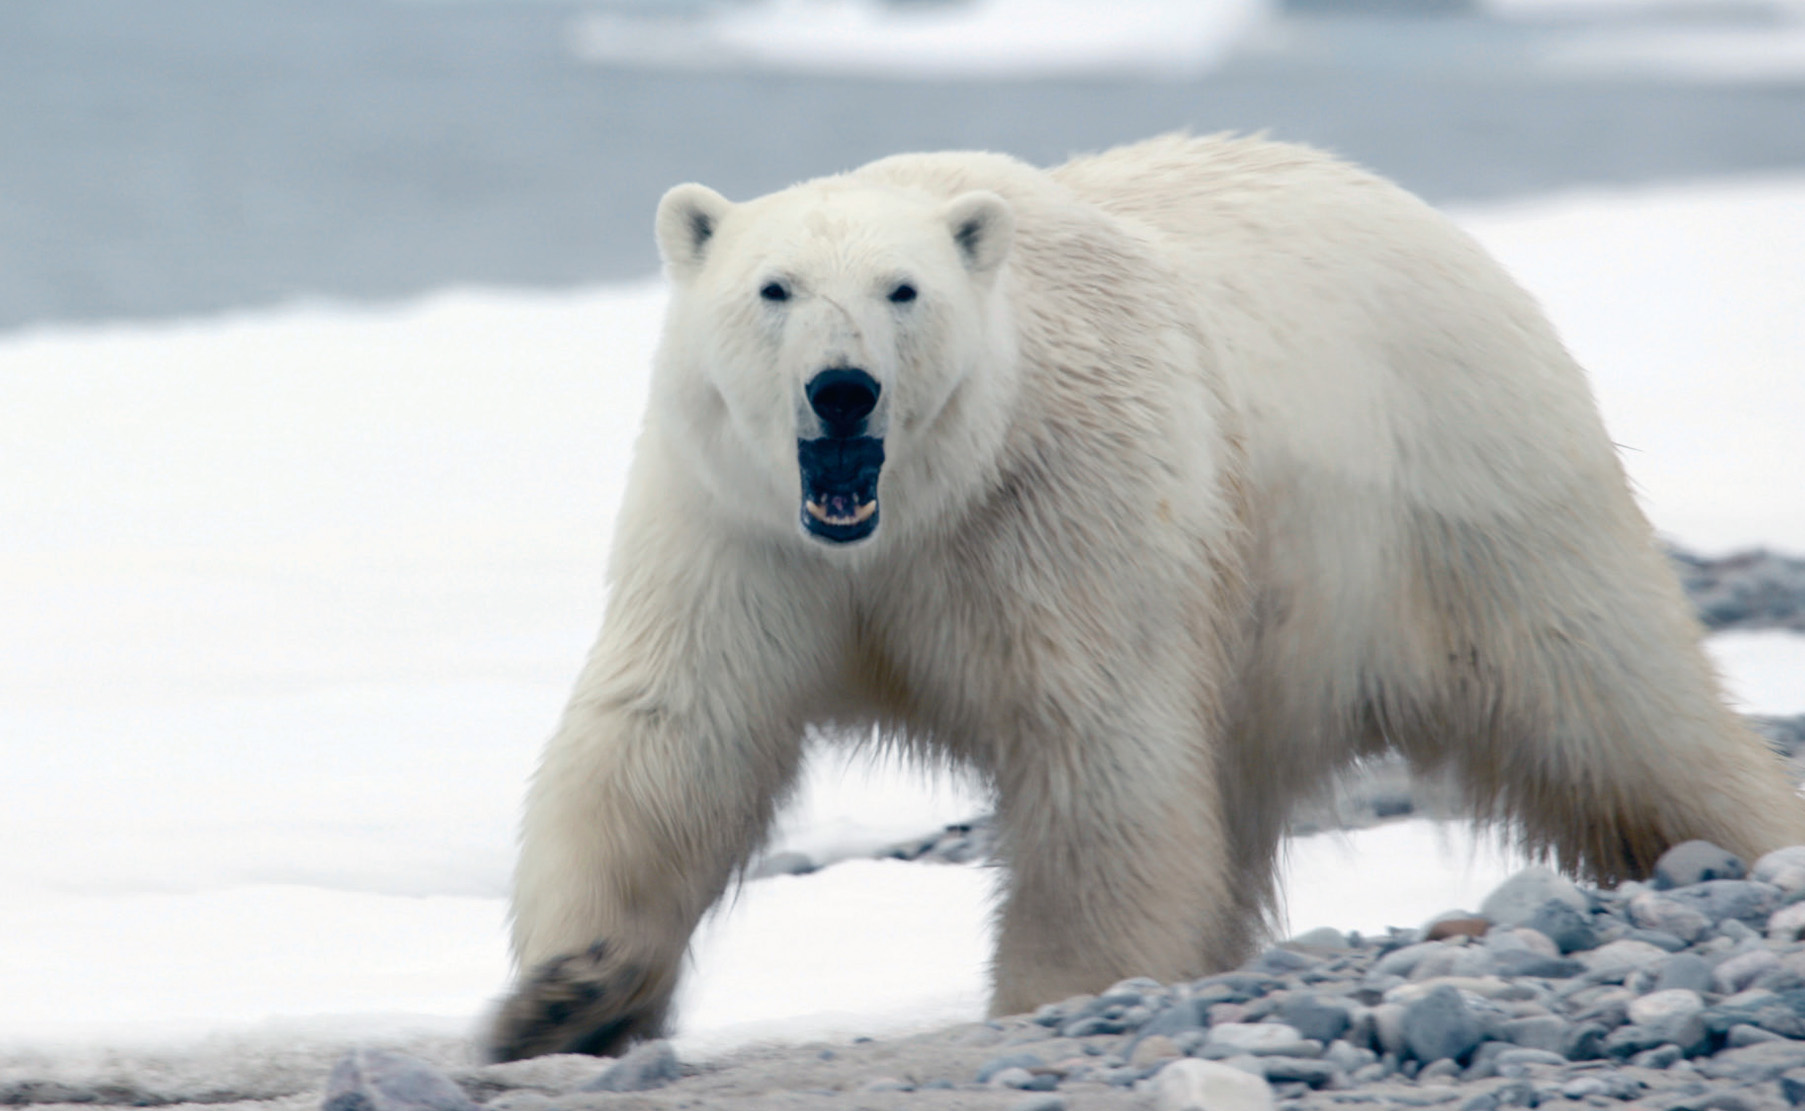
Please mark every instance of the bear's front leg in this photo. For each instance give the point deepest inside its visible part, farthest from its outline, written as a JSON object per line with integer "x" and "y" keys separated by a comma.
{"x": 682, "y": 735}
{"x": 1118, "y": 856}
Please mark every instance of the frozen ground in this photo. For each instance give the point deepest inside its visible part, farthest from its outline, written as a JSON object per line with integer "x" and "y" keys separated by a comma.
{"x": 293, "y": 598}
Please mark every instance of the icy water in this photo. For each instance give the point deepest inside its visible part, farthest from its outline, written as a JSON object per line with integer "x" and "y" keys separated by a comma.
{"x": 187, "y": 156}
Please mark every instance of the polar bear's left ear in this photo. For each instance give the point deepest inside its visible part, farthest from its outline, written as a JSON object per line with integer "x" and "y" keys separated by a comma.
{"x": 983, "y": 227}
{"x": 688, "y": 217}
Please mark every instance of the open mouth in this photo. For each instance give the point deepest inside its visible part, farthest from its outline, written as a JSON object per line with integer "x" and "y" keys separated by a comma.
{"x": 839, "y": 486}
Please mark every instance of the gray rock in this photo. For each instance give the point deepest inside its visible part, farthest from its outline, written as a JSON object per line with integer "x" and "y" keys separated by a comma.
{"x": 1691, "y": 862}
{"x": 1525, "y": 962}
{"x": 1756, "y": 1063}
{"x": 1323, "y": 937}
{"x": 1569, "y": 929}
{"x": 1745, "y": 900}
{"x": 1440, "y": 1024}
{"x": 1660, "y": 939}
{"x": 1792, "y": 1086}
{"x": 1683, "y": 970}
{"x": 1771, "y": 867}
{"x": 1402, "y": 962}
{"x": 1737, "y": 972}
{"x": 1040, "y": 1102}
{"x": 1305, "y": 1070}
{"x": 1192, "y": 1085}
{"x": 1660, "y": 1057}
{"x": 1261, "y": 1039}
{"x": 784, "y": 864}
{"x": 383, "y": 1080}
{"x": 644, "y": 1067}
{"x": 1314, "y": 1018}
{"x": 1743, "y": 1034}
{"x": 1025, "y": 1061}
{"x": 1011, "y": 1077}
{"x": 1522, "y": 1056}
{"x": 1584, "y": 1041}
{"x": 1669, "y": 916}
{"x": 1518, "y": 898}
{"x": 1538, "y": 1032}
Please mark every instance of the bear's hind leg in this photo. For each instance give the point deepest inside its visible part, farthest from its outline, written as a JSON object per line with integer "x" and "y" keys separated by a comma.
{"x": 1581, "y": 709}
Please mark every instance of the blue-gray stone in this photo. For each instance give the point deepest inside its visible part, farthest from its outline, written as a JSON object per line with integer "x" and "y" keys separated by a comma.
{"x": 990, "y": 1068}
{"x": 1683, "y": 970}
{"x": 1660, "y": 1057}
{"x": 383, "y": 1080}
{"x": 1512, "y": 902}
{"x": 1440, "y": 1024}
{"x": 1314, "y": 1018}
{"x": 1569, "y": 929}
{"x": 1039, "y": 1102}
{"x": 1660, "y": 939}
{"x": 1792, "y": 1086}
{"x": 1744, "y": 900}
{"x": 1528, "y": 962}
{"x": 1692, "y": 862}
{"x": 1185, "y": 1014}
{"x": 646, "y": 1066}
{"x": 1584, "y": 1041}
{"x": 1298, "y": 1070}
{"x": 1537, "y": 1032}
{"x": 1281, "y": 960}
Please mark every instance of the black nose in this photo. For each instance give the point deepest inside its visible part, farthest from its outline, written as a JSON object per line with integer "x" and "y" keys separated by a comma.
{"x": 843, "y": 398}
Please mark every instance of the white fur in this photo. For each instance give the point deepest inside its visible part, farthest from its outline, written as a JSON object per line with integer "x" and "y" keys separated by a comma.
{"x": 1213, "y": 465}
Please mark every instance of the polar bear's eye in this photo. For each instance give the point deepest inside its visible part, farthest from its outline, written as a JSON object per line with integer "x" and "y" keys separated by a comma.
{"x": 774, "y": 291}
{"x": 902, "y": 294}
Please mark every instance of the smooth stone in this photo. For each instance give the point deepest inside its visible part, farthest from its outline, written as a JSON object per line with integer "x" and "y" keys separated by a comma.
{"x": 1792, "y": 1086}
{"x": 1302, "y": 1070}
{"x": 1537, "y": 1032}
{"x": 1515, "y": 900}
{"x": 1040, "y": 1102}
{"x": 383, "y": 1080}
{"x": 1756, "y": 1063}
{"x": 1744, "y": 900}
{"x": 1152, "y": 1049}
{"x": 1259, "y": 1038}
{"x": 1787, "y": 923}
{"x": 1771, "y": 865}
{"x": 1525, "y": 962}
{"x": 1683, "y": 970}
{"x": 1388, "y": 1028}
{"x": 1440, "y": 1024}
{"x": 1313, "y": 1018}
{"x": 1661, "y": 1007}
{"x": 1584, "y": 1041}
{"x": 1011, "y": 1077}
{"x": 1529, "y": 1057}
{"x": 1691, "y": 862}
{"x": 1660, "y": 939}
{"x": 1193, "y": 1085}
{"x": 521, "y": 1099}
{"x": 1569, "y": 929}
{"x": 887, "y": 1084}
{"x": 1179, "y": 1017}
{"x": 1025, "y": 1061}
{"x": 1465, "y": 961}
{"x": 646, "y": 1066}
{"x": 1521, "y": 939}
{"x": 1743, "y": 1034}
{"x": 1459, "y": 924}
{"x": 1733, "y": 974}
{"x": 1323, "y": 937}
{"x": 1622, "y": 956}
{"x": 1661, "y": 912}
{"x": 1403, "y": 961}
{"x": 1486, "y": 987}
{"x": 1660, "y": 1057}
{"x": 1443, "y": 1069}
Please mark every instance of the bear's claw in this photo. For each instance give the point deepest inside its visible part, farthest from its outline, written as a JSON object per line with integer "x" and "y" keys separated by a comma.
{"x": 590, "y": 1002}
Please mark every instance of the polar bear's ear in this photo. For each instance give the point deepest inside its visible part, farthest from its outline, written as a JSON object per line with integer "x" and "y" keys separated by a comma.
{"x": 687, "y": 219}
{"x": 983, "y": 227}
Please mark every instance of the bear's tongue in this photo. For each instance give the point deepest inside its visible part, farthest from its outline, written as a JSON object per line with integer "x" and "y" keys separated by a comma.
{"x": 840, "y": 509}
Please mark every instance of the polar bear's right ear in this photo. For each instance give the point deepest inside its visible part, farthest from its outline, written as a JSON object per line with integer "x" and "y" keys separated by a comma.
{"x": 687, "y": 219}
{"x": 983, "y": 228}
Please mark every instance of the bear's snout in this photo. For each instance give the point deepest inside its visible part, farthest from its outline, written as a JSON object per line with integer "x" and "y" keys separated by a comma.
{"x": 843, "y": 397}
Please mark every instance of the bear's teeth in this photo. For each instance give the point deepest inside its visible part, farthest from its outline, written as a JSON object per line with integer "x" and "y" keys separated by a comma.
{"x": 820, "y": 513}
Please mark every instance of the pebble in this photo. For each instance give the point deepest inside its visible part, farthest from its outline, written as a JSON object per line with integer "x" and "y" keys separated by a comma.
{"x": 646, "y": 1066}
{"x": 383, "y": 1080}
{"x": 1687, "y": 992}
{"x": 1192, "y": 1085}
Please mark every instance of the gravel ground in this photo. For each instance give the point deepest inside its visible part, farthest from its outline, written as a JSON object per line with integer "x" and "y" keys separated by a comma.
{"x": 1686, "y": 992}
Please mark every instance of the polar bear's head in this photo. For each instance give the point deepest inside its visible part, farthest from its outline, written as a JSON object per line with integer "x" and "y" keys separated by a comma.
{"x": 838, "y": 352}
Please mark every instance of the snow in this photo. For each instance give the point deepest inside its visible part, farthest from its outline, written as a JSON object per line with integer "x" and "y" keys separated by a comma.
{"x": 986, "y": 39}
{"x": 294, "y": 597}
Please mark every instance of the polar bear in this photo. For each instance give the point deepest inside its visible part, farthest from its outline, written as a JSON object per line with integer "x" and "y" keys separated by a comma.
{"x": 1157, "y": 488}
